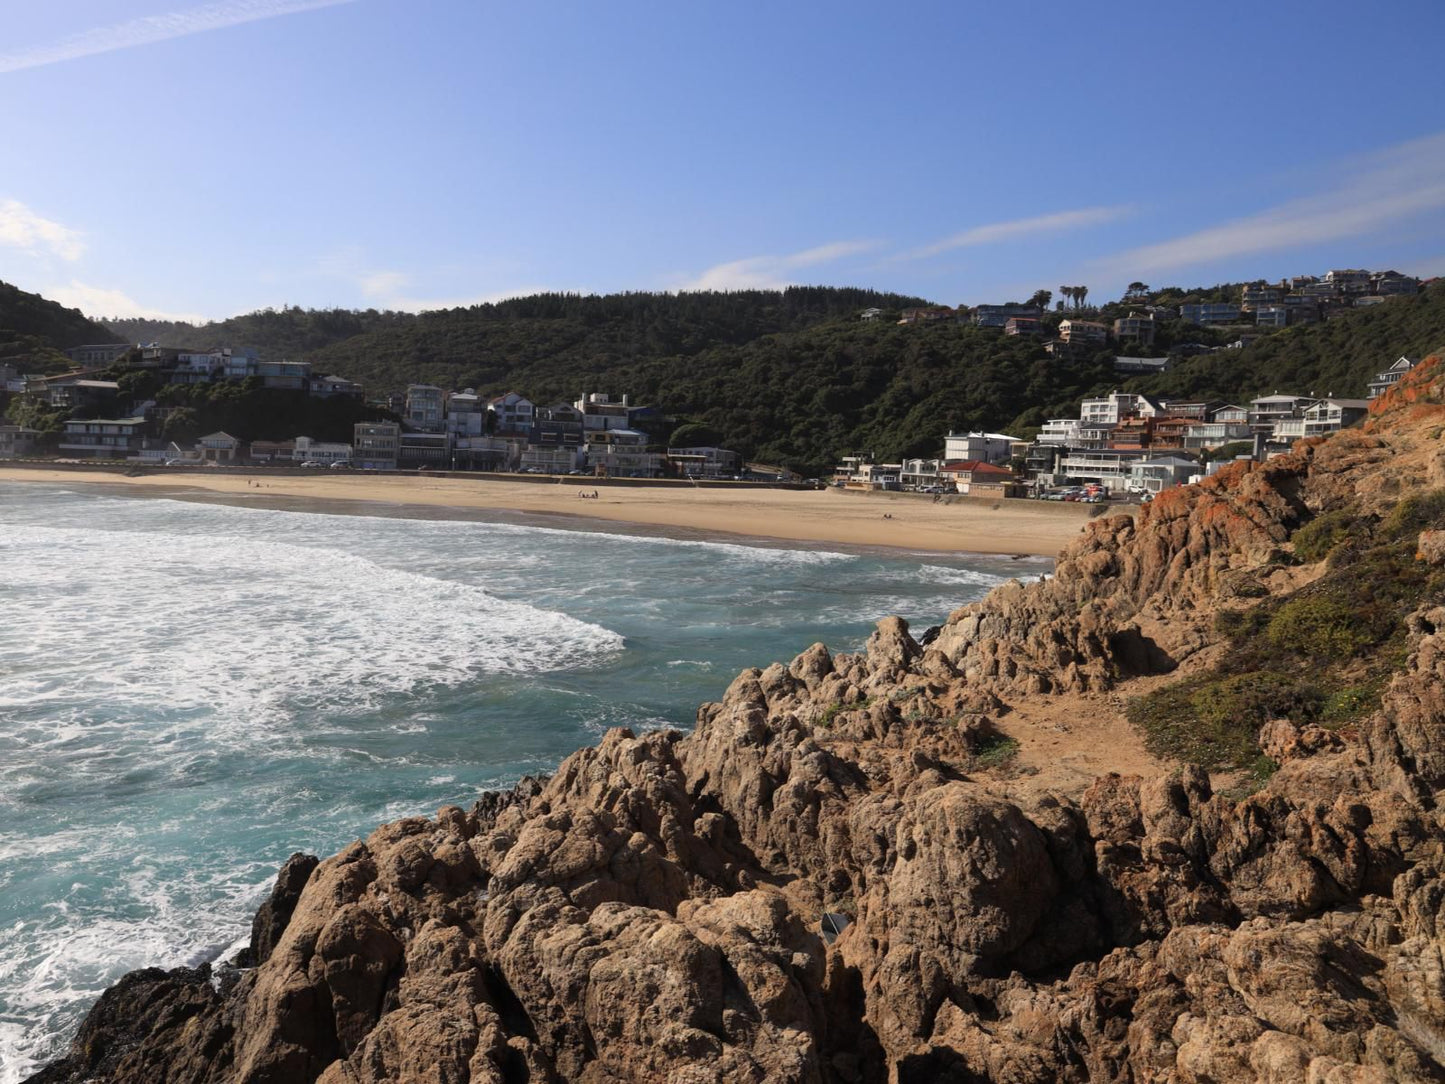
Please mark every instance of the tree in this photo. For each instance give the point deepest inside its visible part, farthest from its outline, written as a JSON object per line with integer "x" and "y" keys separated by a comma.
{"x": 1041, "y": 299}
{"x": 181, "y": 425}
{"x": 1136, "y": 291}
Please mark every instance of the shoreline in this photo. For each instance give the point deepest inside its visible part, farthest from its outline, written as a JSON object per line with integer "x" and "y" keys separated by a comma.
{"x": 767, "y": 516}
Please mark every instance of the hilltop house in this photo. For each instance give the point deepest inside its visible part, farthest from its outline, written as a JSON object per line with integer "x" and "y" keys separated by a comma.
{"x": 1386, "y": 380}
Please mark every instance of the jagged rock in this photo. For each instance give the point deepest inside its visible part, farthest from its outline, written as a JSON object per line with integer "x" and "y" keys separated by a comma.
{"x": 652, "y": 911}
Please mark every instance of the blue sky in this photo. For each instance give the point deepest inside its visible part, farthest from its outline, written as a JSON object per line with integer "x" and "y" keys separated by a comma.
{"x": 173, "y": 158}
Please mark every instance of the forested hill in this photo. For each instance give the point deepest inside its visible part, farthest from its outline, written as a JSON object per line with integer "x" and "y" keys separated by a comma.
{"x": 443, "y": 345}
{"x": 1338, "y": 357}
{"x": 33, "y": 330}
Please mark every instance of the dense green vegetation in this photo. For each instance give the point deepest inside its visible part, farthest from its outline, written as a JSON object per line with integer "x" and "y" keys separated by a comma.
{"x": 34, "y": 331}
{"x": 1344, "y": 632}
{"x": 1340, "y": 356}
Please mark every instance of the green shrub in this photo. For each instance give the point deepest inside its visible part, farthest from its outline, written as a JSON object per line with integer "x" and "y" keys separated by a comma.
{"x": 1350, "y": 704}
{"x": 1412, "y": 515}
{"x": 995, "y": 751}
{"x": 1319, "y": 627}
{"x": 1315, "y": 539}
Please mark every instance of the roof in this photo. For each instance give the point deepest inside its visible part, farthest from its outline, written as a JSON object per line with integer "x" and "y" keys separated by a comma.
{"x": 218, "y": 435}
{"x": 975, "y": 466}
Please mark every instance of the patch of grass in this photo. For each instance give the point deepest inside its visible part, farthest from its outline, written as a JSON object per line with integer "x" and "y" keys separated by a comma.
{"x": 995, "y": 751}
{"x": 1414, "y": 514}
{"x": 832, "y": 711}
{"x": 1214, "y": 721}
{"x": 1351, "y": 704}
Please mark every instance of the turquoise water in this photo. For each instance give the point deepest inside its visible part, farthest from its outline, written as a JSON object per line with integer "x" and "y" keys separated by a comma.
{"x": 191, "y": 692}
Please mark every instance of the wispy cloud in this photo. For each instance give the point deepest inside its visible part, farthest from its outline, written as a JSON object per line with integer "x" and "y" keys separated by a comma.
{"x": 1367, "y": 194}
{"x": 994, "y": 232}
{"x": 22, "y": 228}
{"x": 773, "y": 272}
{"x": 101, "y": 302}
{"x": 150, "y": 29}
{"x": 395, "y": 290}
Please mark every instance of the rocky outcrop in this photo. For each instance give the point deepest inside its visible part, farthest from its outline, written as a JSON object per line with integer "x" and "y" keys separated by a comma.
{"x": 825, "y": 881}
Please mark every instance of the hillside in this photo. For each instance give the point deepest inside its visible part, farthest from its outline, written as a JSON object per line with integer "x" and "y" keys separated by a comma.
{"x": 33, "y": 331}
{"x": 1337, "y": 357}
{"x": 870, "y": 867}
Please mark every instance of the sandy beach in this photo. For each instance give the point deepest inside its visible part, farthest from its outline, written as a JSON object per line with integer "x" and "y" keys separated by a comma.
{"x": 894, "y": 520}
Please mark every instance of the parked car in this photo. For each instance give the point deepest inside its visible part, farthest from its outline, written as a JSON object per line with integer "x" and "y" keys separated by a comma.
{"x": 341, "y": 464}
{"x": 313, "y": 463}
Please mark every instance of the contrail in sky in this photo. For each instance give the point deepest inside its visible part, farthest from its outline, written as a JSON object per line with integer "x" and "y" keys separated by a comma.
{"x": 153, "y": 28}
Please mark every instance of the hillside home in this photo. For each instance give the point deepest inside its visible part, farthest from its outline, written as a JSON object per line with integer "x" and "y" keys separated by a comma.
{"x": 1199, "y": 435}
{"x": 600, "y": 412}
{"x": 1271, "y": 316}
{"x": 1330, "y": 415}
{"x": 1266, "y": 411}
{"x": 425, "y": 409}
{"x": 1141, "y": 365}
{"x": 1386, "y": 380}
{"x": 929, "y": 315}
{"x": 1023, "y": 325}
{"x": 1209, "y": 313}
{"x": 1082, "y": 331}
{"x": 326, "y": 387}
{"x": 99, "y": 355}
{"x": 1137, "y": 327}
{"x": 1000, "y": 315}
{"x": 512, "y": 413}
{"x": 869, "y": 316}
{"x": 1059, "y": 431}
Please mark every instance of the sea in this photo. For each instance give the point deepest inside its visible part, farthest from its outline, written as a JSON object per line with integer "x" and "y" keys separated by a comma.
{"x": 190, "y": 692}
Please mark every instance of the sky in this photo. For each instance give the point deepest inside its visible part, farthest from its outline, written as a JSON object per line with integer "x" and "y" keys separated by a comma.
{"x": 167, "y": 158}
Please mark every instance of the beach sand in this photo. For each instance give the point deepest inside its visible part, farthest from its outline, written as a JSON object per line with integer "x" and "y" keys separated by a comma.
{"x": 893, "y": 520}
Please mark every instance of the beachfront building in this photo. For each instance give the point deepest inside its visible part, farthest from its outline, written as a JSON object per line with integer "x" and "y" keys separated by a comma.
{"x": 466, "y": 415}
{"x": 17, "y": 441}
{"x": 552, "y": 459}
{"x": 306, "y": 450}
{"x": 103, "y": 438}
{"x": 624, "y": 461}
{"x": 978, "y": 478}
{"x": 1158, "y": 473}
{"x": 271, "y": 451}
{"x": 425, "y": 409}
{"x": 419, "y": 450}
{"x": 988, "y": 447}
{"x": 703, "y": 462}
{"x": 487, "y": 453}
{"x": 1107, "y": 467}
{"x": 1386, "y": 380}
{"x": 860, "y": 472}
{"x": 557, "y": 425}
{"x": 920, "y": 473}
{"x": 374, "y": 445}
{"x": 218, "y": 448}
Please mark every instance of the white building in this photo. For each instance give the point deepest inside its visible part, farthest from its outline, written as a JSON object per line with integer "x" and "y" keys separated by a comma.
{"x": 1160, "y": 472}
{"x": 1116, "y": 406}
{"x": 317, "y": 451}
{"x": 512, "y": 413}
{"x": 425, "y": 408}
{"x": 920, "y": 473}
{"x": 599, "y": 412}
{"x": 466, "y": 415}
{"x": 1330, "y": 415}
{"x": 1059, "y": 431}
{"x": 987, "y": 447}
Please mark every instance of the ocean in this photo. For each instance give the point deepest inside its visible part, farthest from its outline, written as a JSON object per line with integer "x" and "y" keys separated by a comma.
{"x": 190, "y": 692}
